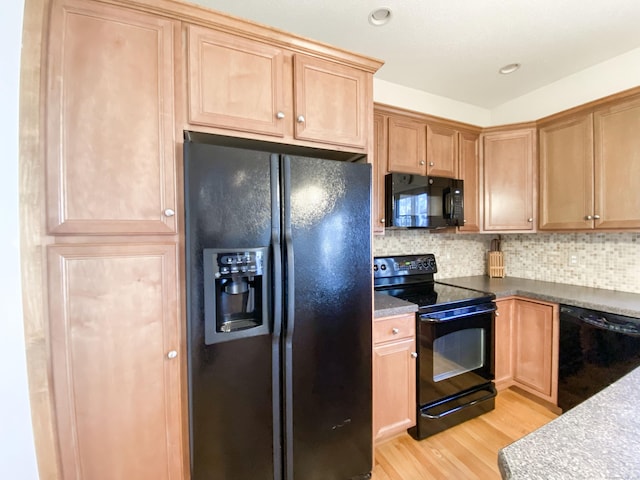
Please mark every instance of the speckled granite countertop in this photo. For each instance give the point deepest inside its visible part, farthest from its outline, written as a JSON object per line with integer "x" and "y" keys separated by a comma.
{"x": 386, "y": 305}
{"x": 611, "y": 301}
{"x": 598, "y": 439}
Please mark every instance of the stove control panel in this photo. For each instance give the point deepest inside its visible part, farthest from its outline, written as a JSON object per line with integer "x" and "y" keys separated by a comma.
{"x": 404, "y": 265}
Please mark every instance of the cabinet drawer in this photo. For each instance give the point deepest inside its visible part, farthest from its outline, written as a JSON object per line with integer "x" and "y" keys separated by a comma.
{"x": 394, "y": 328}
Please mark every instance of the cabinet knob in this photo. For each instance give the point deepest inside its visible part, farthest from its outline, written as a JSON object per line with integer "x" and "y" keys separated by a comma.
{"x": 382, "y": 220}
{"x": 280, "y": 115}
{"x": 172, "y": 354}
{"x": 395, "y": 331}
{"x": 300, "y": 118}
{"x": 530, "y": 220}
{"x": 588, "y": 217}
{"x": 421, "y": 162}
{"x": 431, "y": 164}
{"x": 596, "y": 217}
{"x": 169, "y": 213}
{"x": 414, "y": 354}
{"x": 497, "y": 314}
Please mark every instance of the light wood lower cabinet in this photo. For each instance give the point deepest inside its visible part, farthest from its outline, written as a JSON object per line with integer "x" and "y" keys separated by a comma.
{"x": 503, "y": 366}
{"x": 526, "y": 351}
{"x": 115, "y": 359}
{"x": 394, "y": 376}
{"x": 535, "y": 348}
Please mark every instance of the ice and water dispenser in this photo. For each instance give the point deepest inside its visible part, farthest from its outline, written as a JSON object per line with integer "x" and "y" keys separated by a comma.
{"x": 235, "y": 283}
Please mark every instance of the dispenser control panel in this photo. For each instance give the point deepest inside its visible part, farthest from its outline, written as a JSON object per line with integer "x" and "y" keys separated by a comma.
{"x": 247, "y": 262}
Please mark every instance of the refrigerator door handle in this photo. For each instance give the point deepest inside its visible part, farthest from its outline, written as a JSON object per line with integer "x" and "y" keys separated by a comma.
{"x": 289, "y": 317}
{"x": 276, "y": 256}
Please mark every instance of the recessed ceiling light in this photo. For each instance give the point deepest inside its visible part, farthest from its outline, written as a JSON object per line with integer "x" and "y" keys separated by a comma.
{"x": 507, "y": 69}
{"x": 380, "y": 16}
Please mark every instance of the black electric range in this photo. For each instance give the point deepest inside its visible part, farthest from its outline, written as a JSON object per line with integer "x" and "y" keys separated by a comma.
{"x": 454, "y": 342}
{"x": 410, "y": 278}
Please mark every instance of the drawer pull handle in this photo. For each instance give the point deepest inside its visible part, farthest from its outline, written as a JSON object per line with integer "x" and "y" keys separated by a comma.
{"x": 395, "y": 331}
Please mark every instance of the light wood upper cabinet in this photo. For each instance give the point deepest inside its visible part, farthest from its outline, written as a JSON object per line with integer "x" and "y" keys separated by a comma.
{"x": 421, "y": 148}
{"x": 469, "y": 172}
{"x": 116, "y": 379}
{"x": 589, "y": 163}
{"x": 406, "y": 145}
{"x": 249, "y": 86}
{"x": 394, "y": 375}
{"x": 110, "y": 141}
{"x": 379, "y": 172}
{"x": 330, "y": 102}
{"x": 236, "y": 83}
{"x": 509, "y": 180}
{"x": 617, "y": 165}
{"x": 442, "y": 151}
{"x": 566, "y": 173}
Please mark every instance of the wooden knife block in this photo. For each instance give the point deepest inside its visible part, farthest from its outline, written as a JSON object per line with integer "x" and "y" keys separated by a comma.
{"x": 495, "y": 264}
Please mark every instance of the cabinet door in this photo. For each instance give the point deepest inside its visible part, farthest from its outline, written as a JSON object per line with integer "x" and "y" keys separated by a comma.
{"x": 236, "y": 83}
{"x": 406, "y": 146}
{"x": 331, "y": 102}
{"x": 566, "y": 174}
{"x": 617, "y": 165}
{"x": 113, "y": 322}
{"x": 379, "y": 171}
{"x": 503, "y": 343}
{"x": 533, "y": 334}
{"x": 110, "y": 142}
{"x": 442, "y": 151}
{"x": 469, "y": 170}
{"x": 394, "y": 388}
{"x": 509, "y": 179}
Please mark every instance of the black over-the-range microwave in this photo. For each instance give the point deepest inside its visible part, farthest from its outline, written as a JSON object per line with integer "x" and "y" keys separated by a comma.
{"x": 417, "y": 201}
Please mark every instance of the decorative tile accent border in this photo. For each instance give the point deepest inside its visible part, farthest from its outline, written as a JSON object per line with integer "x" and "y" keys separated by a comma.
{"x": 602, "y": 260}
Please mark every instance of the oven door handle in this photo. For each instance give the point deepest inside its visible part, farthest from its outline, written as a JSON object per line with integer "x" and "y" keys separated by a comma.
{"x": 442, "y": 317}
{"x": 492, "y": 392}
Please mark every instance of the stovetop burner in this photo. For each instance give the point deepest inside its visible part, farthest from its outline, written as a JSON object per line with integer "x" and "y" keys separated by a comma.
{"x": 410, "y": 278}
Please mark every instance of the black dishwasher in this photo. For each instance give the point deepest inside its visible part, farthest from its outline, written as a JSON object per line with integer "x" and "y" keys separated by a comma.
{"x": 596, "y": 349}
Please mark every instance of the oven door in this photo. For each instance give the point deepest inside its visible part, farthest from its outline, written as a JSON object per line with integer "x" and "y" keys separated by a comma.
{"x": 455, "y": 351}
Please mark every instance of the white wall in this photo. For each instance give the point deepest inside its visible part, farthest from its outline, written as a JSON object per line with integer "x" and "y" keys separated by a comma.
{"x": 17, "y": 455}
{"x": 606, "y": 78}
{"x": 419, "y": 101}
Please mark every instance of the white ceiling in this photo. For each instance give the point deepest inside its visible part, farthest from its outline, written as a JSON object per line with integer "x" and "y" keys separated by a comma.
{"x": 454, "y": 48}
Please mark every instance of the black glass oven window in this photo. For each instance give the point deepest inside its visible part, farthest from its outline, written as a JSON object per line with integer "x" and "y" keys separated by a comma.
{"x": 458, "y": 352}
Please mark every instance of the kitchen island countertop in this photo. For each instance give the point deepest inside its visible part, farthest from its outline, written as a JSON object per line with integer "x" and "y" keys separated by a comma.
{"x": 612, "y": 301}
{"x": 596, "y": 440}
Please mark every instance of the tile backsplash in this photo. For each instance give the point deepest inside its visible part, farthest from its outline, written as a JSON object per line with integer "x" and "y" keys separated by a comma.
{"x": 602, "y": 260}
{"x": 456, "y": 255}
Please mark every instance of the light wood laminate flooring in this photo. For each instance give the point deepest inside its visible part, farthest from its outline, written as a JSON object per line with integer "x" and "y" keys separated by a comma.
{"x": 466, "y": 451}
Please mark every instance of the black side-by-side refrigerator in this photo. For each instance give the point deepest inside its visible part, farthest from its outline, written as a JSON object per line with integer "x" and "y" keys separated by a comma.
{"x": 278, "y": 260}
